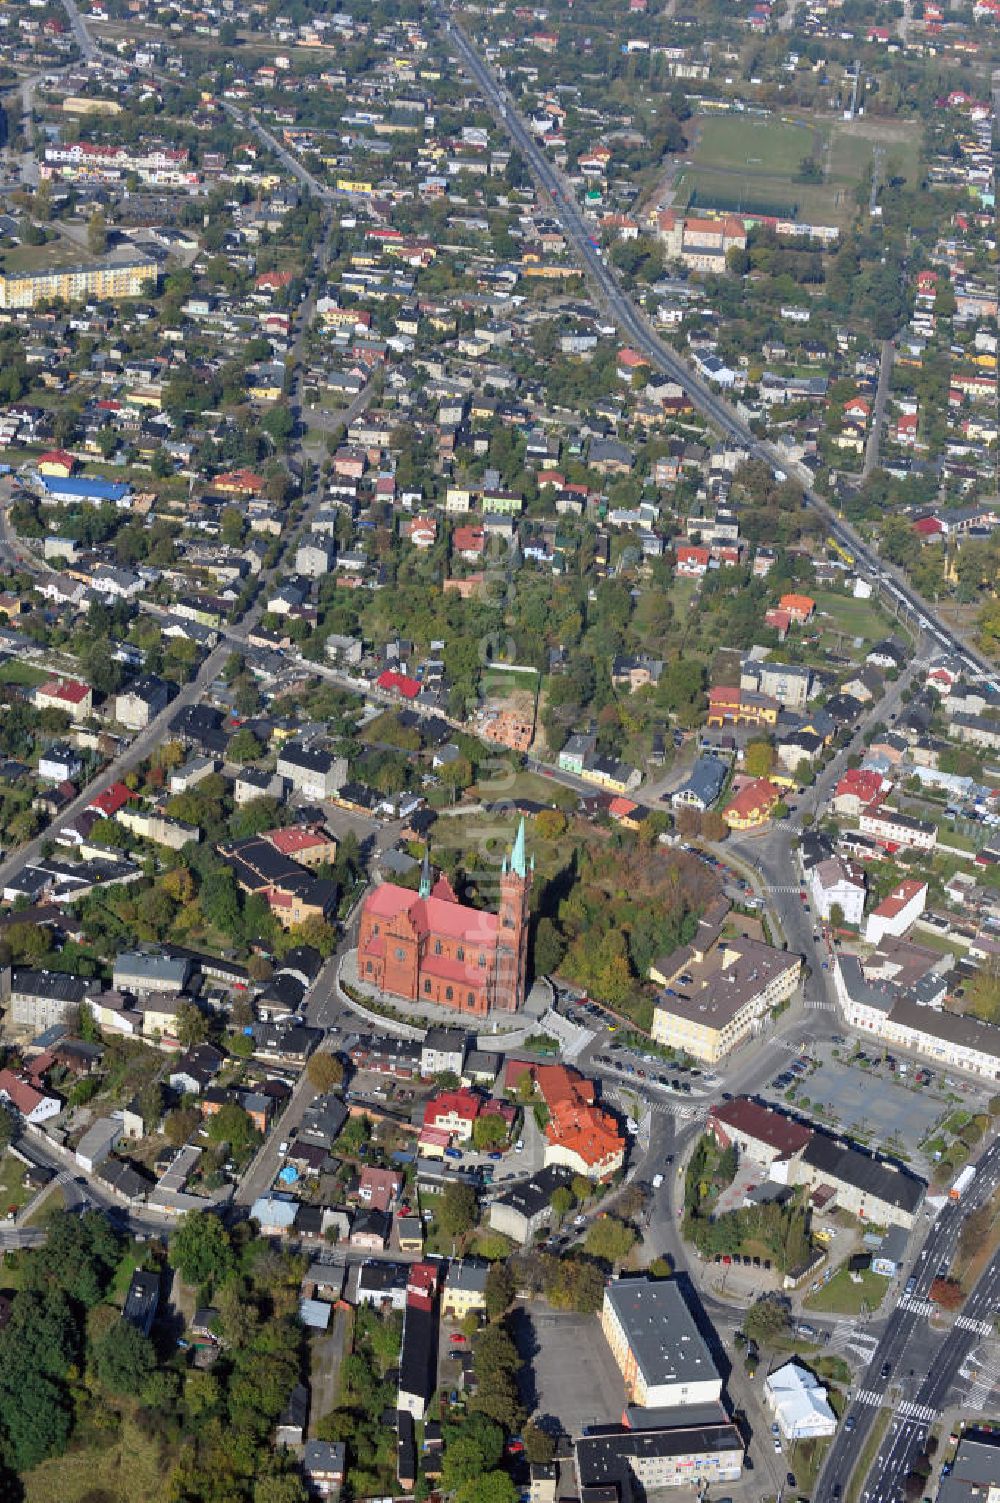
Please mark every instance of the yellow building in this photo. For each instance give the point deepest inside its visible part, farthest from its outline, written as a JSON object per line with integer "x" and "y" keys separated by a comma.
{"x": 112, "y": 280}
{"x": 718, "y": 991}
{"x": 464, "y": 1291}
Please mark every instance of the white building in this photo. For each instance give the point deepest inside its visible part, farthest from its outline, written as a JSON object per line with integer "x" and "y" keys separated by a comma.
{"x": 898, "y": 912}
{"x": 898, "y": 831}
{"x": 838, "y": 883}
{"x": 798, "y": 1401}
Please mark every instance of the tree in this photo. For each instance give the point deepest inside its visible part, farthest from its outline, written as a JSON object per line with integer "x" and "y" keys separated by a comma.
{"x": 463, "y": 1460}
{"x": 609, "y": 1239}
{"x": 499, "y": 1290}
{"x": 324, "y": 1071}
{"x": 8, "y": 1128}
{"x": 561, "y": 1200}
{"x": 124, "y": 1359}
{"x": 538, "y": 1444}
{"x": 489, "y": 1487}
{"x": 97, "y": 233}
{"x": 151, "y": 1105}
{"x": 489, "y": 1131}
{"x": 232, "y": 1125}
{"x": 767, "y": 1318}
{"x": 201, "y": 1249}
{"x": 191, "y": 1026}
{"x": 79, "y": 1257}
{"x": 836, "y": 916}
{"x": 458, "y": 1210}
{"x": 181, "y": 1124}
{"x": 244, "y": 746}
{"x": 758, "y": 758}
{"x": 549, "y": 947}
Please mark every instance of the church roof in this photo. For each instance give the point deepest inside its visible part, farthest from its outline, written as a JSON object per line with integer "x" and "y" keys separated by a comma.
{"x": 434, "y": 915}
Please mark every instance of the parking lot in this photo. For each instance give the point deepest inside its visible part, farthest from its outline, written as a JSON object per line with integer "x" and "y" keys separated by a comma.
{"x": 880, "y": 1105}
{"x": 569, "y": 1376}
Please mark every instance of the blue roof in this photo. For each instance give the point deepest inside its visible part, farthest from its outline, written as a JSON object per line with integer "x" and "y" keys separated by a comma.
{"x": 85, "y": 490}
{"x": 271, "y": 1210}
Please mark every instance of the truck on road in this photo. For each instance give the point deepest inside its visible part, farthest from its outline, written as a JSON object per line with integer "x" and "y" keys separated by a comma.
{"x": 962, "y": 1183}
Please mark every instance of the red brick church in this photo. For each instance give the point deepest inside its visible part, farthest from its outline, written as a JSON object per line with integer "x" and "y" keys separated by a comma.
{"x": 426, "y": 946}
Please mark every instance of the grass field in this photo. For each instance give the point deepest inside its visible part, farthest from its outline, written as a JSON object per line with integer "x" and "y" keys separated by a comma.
{"x": 13, "y": 1194}
{"x": 842, "y": 1296}
{"x": 498, "y": 683}
{"x": 16, "y": 672}
{"x": 858, "y": 618}
{"x": 753, "y": 162}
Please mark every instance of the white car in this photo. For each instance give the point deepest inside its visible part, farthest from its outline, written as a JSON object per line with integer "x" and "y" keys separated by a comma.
{"x": 282, "y": 1148}
{"x": 519, "y": 1146}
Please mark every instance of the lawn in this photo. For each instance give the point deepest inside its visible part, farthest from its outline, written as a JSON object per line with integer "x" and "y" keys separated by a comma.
{"x": 498, "y": 683}
{"x": 766, "y": 148}
{"x": 12, "y": 1191}
{"x": 132, "y": 1470}
{"x": 16, "y": 672}
{"x": 857, "y": 618}
{"x": 753, "y": 162}
{"x": 842, "y": 1296}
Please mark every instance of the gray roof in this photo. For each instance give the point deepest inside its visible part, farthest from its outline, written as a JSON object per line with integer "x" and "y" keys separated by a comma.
{"x": 661, "y": 1331}
{"x": 885, "y": 1182}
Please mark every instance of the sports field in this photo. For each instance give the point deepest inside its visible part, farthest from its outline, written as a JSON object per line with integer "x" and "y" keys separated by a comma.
{"x": 753, "y": 163}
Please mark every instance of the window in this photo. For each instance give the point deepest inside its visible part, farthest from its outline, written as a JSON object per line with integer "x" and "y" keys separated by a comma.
{"x": 472, "y": 999}
{"x": 400, "y": 952}
{"x": 427, "y": 987}
{"x": 437, "y": 947}
{"x": 375, "y": 929}
{"x": 460, "y": 953}
{"x": 370, "y": 967}
{"x": 448, "y": 994}
{"x": 482, "y": 962}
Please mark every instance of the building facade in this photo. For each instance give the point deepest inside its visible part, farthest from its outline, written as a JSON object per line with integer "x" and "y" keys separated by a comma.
{"x": 429, "y": 947}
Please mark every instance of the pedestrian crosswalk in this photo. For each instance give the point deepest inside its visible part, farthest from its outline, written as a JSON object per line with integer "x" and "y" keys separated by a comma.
{"x": 982, "y": 1372}
{"x": 819, "y": 1004}
{"x": 980, "y": 1327}
{"x": 908, "y": 1409}
{"x": 870, "y": 1397}
{"x": 845, "y": 1337}
{"x": 917, "y": 1306}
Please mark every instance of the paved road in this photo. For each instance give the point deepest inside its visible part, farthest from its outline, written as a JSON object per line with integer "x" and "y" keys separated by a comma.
{"x": 878, "y": 414}
{"x": 920, "y": 1372}
{"x": 639, "y": 331}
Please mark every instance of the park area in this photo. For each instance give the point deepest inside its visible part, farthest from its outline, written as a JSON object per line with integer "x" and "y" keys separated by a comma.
{"x": 752, "y": 164}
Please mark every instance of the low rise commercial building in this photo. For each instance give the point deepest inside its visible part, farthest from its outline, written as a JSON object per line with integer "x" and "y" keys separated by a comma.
{"x": 662, "y": 1355}
{"x": 716, "y": 992}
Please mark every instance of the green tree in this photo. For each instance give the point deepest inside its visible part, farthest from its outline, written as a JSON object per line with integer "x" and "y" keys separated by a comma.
{"x": 561, "y": 1200}
{"x": 79, "y": 1257}
{"x": 767, "y": 1318}
{"x": 758, "y": 759}
{"x": 124, "y": 1359}
{"x": 490, "y": 1487}
{"x": 201, "y": 1249}
{"x": 538, "y": 1444}
{"x": 324, "y": 1071}
{"x": 8, "y": 1128}
{"x": 458, "y": 1210}
{"x": 499, "y": 1290}
{"x": 232, "y": 1125}
{"x": 192, "y": 1025}
{"x": 609, "y": 1239}
{"x": 489, "y": 1131}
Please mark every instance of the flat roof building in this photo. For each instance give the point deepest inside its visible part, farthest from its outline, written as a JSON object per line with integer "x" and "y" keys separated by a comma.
{"x": 663, "y": 1357}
